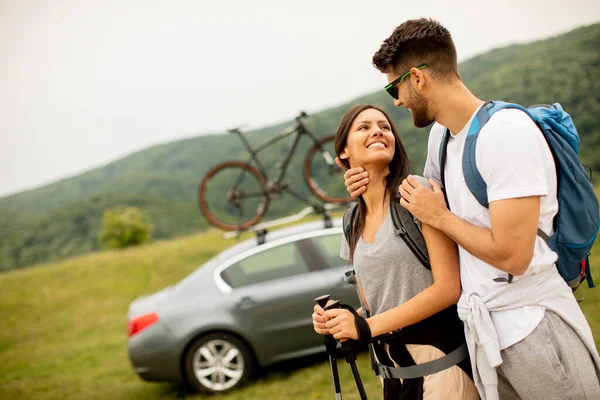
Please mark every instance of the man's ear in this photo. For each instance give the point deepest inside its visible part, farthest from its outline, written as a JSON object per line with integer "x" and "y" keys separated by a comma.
{"x": 418, "y": 78}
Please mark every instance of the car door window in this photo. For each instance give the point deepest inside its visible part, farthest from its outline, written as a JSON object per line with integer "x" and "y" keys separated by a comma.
{"x": 274, "y": 263}
{"x": 329, "y": 246}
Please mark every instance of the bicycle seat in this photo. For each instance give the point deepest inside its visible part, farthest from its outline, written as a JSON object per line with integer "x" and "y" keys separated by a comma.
{"x": 236, "y": 130}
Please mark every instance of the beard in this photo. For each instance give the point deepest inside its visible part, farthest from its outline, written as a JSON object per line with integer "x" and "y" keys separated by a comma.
{"x": 419, "y": 107}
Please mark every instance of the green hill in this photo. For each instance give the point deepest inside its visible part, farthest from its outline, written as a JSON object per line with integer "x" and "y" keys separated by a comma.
{"x": 63, "y": 218}
{"x": 64, "y": 334}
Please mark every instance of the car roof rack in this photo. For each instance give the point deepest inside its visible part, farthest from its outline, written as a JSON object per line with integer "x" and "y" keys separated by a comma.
{"x": 261, "y": 230}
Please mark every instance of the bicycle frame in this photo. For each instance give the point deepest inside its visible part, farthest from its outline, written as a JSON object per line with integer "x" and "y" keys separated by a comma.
{"x": 263, "y": 189}
{"x": 298, "y": 130}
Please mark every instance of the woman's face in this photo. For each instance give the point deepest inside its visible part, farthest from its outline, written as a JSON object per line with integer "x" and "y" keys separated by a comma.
{"x": 370, "y": 141}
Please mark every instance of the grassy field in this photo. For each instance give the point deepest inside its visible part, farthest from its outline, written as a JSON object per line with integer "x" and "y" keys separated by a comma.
{"x": 63, "y": 328}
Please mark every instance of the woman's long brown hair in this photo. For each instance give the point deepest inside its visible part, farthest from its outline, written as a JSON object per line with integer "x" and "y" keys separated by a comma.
{"x": 399, "y": 167}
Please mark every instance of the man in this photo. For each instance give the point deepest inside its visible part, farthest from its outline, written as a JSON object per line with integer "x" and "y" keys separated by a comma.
{"x": 527, "y": 336}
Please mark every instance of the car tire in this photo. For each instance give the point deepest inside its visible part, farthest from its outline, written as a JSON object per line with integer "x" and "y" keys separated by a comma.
{"x": 217, "y": 362}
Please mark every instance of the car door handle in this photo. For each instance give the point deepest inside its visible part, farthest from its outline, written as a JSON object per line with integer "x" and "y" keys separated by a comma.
{"x": 245, "y": 303}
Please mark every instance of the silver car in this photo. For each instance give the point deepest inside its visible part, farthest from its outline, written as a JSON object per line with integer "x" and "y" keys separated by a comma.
{"x": 248, "y": 307}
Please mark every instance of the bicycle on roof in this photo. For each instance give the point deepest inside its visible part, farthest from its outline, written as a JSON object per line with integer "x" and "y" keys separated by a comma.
{"x": 250, "y": 189}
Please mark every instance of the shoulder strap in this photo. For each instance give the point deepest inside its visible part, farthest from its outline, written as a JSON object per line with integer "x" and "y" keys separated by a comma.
{"x": 407, "y": 229}
{"x": 473, "y": 178}
{"x": 404, "y": 227}
{"x": 347, "y": 221}
{"x": 443, "y": 154}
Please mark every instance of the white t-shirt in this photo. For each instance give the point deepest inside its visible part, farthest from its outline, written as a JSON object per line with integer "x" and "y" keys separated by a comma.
{"x": 514, "y": 160}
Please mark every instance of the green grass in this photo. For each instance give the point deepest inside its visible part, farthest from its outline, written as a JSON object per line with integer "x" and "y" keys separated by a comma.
{"x": 63, "y": 328}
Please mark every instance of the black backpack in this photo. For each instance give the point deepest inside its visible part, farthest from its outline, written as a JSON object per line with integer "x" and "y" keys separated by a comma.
{"x": 404, "y": 226}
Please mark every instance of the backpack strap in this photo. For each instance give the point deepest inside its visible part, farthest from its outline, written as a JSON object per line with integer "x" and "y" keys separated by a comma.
{"x": 406, "y": 227}
{"x": 350, "y": 275}
{"x": 473, "y": 178}
{"x": 450, "y": 341}
{"x": 427, "y": 368}
{"x": 443, "y": 154}
{"x": 347, "y": 221}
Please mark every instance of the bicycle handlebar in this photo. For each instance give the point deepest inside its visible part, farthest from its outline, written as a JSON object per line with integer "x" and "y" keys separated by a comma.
{"x": 302, "y": 115}
{"x": 299, "y": 122}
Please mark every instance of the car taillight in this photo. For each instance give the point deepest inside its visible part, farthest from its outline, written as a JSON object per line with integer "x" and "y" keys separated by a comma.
{"x": 140, "y": 323}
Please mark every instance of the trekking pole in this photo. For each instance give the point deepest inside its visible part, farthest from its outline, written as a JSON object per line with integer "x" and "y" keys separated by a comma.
{"x": 330, "y": 345}
{"x": 334, "y": 348}
{"x": 351, "y": 359}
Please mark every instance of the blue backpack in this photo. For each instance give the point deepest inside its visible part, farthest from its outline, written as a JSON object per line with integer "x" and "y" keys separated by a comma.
{"x": 577, "y": 222}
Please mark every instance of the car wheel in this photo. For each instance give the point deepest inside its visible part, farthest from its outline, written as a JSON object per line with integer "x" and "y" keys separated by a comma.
{"x": 217, "y": 362}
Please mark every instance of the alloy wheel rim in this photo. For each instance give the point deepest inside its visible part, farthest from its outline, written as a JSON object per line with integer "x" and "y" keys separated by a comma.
{"x": 218, "y": 365}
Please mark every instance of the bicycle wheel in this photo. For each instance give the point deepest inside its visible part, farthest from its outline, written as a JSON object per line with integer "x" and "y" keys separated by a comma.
{"x": 323, "y": 176}
{"x": 233, "y": 195}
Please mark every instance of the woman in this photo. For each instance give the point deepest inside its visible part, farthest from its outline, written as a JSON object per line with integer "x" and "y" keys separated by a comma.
{"x": 400, "y": 295}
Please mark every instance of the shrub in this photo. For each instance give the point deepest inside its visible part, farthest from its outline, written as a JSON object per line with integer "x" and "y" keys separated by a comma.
{"x": 125, "y": 227}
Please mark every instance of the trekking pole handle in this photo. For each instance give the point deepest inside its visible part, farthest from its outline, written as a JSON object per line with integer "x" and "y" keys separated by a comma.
{"x": 335, "y": 304}
{"x": 322, "y": 300}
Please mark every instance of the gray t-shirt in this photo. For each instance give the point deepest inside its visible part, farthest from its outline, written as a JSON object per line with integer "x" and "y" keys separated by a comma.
{"x": 388, "y": 271}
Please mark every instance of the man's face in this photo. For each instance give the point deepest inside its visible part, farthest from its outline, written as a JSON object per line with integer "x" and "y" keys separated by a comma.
{"x": 409, "y": 98}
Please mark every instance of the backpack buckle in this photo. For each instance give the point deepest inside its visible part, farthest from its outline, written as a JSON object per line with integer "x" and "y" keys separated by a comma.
{"x": 349, "y": 277}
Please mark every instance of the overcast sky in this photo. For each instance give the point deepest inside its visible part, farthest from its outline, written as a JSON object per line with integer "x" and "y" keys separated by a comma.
{"x": 83, "y": 83}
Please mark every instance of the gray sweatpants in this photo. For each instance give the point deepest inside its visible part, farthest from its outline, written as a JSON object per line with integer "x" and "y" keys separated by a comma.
{"x": 552, "y": 363}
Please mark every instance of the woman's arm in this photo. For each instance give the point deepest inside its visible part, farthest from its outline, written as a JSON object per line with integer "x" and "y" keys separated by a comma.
{"x": 445, "y": 291}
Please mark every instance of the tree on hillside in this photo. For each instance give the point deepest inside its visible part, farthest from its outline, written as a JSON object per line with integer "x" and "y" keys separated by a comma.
{"x": 124, "y": 227}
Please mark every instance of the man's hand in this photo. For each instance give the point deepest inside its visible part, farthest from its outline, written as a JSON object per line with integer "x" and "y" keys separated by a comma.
{"x": 428, "y": 206}
{"x": 340, "y": 323}
{"x": 355, "y": 179}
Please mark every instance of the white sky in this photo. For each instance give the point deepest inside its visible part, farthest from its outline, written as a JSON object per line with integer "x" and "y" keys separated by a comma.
{"x": 83, "y": 83}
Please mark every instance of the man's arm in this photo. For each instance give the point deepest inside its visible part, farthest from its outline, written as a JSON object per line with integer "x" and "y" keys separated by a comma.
{"x": 508, "y": 246}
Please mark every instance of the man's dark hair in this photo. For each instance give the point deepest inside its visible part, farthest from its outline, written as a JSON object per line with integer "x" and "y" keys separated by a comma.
{"x": 416, "y": 42}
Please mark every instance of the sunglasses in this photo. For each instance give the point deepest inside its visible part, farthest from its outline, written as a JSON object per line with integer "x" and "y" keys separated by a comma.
{"x": 391, "y": 87}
